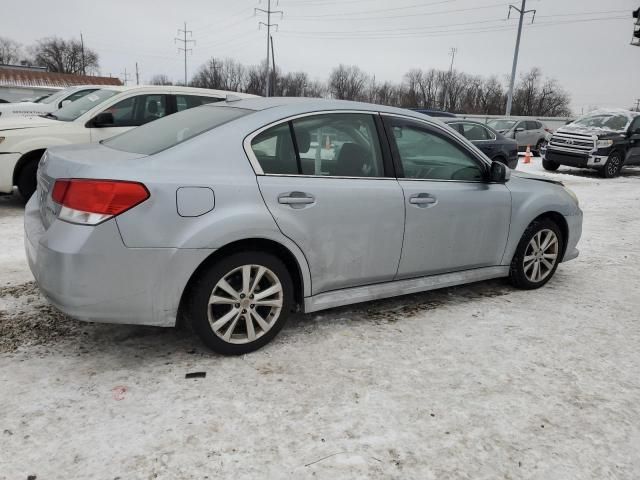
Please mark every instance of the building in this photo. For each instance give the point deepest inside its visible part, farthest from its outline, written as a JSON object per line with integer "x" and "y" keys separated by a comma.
{"x": 18, "y": 83}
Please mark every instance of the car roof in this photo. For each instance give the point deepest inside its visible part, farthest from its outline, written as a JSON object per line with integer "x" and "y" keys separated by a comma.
{"x": 175, "y": 88}
{"x": 298, "y": 105}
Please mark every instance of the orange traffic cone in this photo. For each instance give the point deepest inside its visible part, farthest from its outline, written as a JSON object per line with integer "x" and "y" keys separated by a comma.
{"x": 527, "y": 155}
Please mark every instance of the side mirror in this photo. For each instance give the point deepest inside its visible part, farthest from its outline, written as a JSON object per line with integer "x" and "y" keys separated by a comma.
{"x": 499, "y": 173}
{"x": 64, "y": 103}
{"x": 519, "y": 129}
{"x": 103, "y": 119}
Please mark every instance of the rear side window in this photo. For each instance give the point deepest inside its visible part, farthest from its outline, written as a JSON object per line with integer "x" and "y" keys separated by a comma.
{"x": 174, "y": 129}
{"x": 337, "y": 144}
{"x": 473, "y": 132}
{"x": 531, "y": 125}
{"x": 184, "y": 102}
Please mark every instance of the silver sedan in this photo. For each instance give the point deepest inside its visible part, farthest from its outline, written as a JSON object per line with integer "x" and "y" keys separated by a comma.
{"x": 232, "y": 215}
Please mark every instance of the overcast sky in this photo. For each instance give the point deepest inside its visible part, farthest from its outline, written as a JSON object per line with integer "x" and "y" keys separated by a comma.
{"x": 584, "y": 44}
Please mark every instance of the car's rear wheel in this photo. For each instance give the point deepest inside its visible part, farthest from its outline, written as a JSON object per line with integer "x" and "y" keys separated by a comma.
{"x": 537, "y": 256}
{"x": 241, "y": 302}
{"x": 27, "y": 179}
{"x": 550, "y": 165}
{"x": 613, "y": 166}
{"x": 539, "y": 146}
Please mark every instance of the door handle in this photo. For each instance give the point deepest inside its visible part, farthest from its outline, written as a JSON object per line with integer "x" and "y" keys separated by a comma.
{"x": 296, "y": 198}
{"x": 423, "y": 200}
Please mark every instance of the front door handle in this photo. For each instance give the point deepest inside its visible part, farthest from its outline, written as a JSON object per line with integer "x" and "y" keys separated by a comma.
{"x": 296, "y": 198}
{"x": 423, "y": 200}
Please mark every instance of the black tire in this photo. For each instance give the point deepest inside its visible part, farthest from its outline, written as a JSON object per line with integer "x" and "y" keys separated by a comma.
{"x": 550, "y": 165}
{"x": 198, "y": 307}
{"x": 538, "y": 150}
{"x": 613, "y": 166}
{"x": 27, "y": 180}
{"x": 517, "y": 273}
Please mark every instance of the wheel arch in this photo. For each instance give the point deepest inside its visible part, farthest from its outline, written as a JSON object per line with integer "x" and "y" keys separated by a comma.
{"x": 562, "y": 224}
{"x": 32, "y": 155}
{"x": 293, "y": 264}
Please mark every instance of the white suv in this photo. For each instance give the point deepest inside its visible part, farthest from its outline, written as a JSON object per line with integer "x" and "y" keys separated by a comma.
{"x": 97, "y": 116}
{"x": 48, "y": 104}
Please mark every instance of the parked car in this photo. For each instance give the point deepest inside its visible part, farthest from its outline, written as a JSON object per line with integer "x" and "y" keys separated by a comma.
{"x": 528, "y": 133}
{"x": 97, "y": 116}
{"x": 227, "y": 214}
{"x": 433, "y": 113}
{"x": 604, "y": 140}
{"x": 493, "y": 144}
{"x": 47, "y": 103}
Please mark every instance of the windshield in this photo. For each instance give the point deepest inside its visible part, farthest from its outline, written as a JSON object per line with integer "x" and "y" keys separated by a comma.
{"x": 171, "y": 130}
{"x": 40, "y": 99}
{"x": 607, "y": 121}
{"x": 56, "y": 96}
{"x": 501, "y": 124}
{"x": 70, "y": 112}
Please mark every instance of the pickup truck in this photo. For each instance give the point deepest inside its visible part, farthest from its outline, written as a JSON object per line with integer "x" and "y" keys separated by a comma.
{"x": 603, "y": 140}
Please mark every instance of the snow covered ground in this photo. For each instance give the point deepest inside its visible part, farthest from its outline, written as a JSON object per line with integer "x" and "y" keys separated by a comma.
{"x": 480, "y": 382}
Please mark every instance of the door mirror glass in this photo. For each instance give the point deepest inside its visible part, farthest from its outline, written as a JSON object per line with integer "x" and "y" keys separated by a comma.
{"x": 65, "y": 102}
{"x": 499, "y": 173}
{"x": 519, "y": 129}
{"x": 103, "y": 119}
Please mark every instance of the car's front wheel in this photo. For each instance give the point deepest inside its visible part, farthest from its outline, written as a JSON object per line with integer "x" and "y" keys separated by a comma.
{"x": 241, "y": 302}
{"x": 537, "y": 256}
{"x": 539, "y": 146}
{"x": 27, "y": 179}
{"x": 550, "y": 165}
{"x": 613, "y": 166}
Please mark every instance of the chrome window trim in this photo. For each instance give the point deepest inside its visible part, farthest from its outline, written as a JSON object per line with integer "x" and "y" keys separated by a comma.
{"x": 255, "y": 164}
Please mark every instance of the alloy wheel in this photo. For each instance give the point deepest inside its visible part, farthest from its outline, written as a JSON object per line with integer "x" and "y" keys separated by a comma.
{"x": 245, "y": 303}
{"x": 541, "y": 255}
{"x": 613, "y": 165}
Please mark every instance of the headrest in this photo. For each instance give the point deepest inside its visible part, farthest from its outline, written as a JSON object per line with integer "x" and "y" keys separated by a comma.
{"x": 153, "y": 107}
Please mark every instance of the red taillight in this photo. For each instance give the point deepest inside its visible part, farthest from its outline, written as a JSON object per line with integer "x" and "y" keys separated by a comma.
{"x": 548, "y": 130}
{"x": 92, "y": 201}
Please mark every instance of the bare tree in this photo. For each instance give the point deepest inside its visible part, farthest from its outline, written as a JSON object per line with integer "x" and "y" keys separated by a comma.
{"x": 347, "y": 83}
{"x": 64, "y": 56}
{"x": 10, "y": 51}
{"x": 160, "y": 79}
{"x": 532, "y": 96}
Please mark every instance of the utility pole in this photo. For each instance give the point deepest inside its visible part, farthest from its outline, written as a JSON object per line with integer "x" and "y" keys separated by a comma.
{"x": 452, "y": 52}
{"x": 185, "y": 46}
{"x": 522, "y": 13}
{"x": 268, "y": 11}
{"x": 84, "y": 67}
{"x": 273, "y": 64}
{"x": 638, "y": 105}
{"x": 125, "y": 75}
{"x": 137, "y": 75}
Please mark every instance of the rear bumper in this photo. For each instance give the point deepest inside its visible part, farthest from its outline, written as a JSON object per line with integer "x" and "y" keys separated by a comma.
{"x": 8, "y": 163}
{"x": 88, "y": 273}
{"x": 575, "y": 160}
{"x": 574, "y": 224}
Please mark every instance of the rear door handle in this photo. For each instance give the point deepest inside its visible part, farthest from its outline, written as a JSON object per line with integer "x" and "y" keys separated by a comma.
{"x": 423, "y": 200}
{"x": 296, "y": 198}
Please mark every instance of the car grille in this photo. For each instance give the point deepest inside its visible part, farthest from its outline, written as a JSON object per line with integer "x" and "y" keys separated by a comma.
{"x": 577, "y": 143}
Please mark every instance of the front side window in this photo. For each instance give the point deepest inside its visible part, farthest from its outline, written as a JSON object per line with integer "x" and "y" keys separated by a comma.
{"x": 337, "y": 144}
{"x": 70, "y": 112}
{"x": 531, "y": 125}
{"x": 184, "y": 102}
{"x": 138, "y": 110}
{"x": 425, "y": 154}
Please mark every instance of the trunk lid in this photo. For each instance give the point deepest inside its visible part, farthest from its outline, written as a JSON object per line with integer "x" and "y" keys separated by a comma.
{"x": 77, "y": 161}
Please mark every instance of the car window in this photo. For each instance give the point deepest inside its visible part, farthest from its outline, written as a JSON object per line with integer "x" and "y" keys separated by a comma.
{"x": 78, "y": 95}
{"x": 635, "y": 125}
{"x": 275, "y": 151}
{"x": 138, "y": 110}
{"x": 427, "y": 155}
{"x": 472, "y": 131}
{"x": 531, "y": 125}
{"x": 70, "y": 112}
{"x": 174, "y": 129}
{"x": 522, "y": 125}
{"x": 339, "y": 144}
{"x": 184, "y": 102}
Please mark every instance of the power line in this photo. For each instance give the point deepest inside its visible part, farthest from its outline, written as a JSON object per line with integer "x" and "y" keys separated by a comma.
{"x": 268, "y": 12}
{"x": 185, "y": 46}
